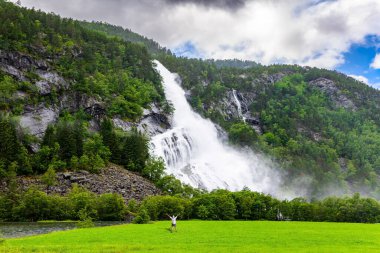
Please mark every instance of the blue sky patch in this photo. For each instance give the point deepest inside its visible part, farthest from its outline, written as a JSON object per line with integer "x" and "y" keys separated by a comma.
{"x": 188, "y": 49}
{"x": 359, "y": 58}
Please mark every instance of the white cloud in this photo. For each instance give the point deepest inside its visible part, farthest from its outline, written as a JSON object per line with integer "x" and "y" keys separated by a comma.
{"x": 305, "y": 32}
{"x": 366, "y": 81}
{"x": 362, "y": 79}
{"x": 376, "y": 62}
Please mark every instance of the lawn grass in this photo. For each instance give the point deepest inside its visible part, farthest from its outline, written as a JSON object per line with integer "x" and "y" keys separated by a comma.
{"x": 208, "y": 236}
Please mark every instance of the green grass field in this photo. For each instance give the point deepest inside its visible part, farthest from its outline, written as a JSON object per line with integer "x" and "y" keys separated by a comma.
{"x": 208, "y": 236}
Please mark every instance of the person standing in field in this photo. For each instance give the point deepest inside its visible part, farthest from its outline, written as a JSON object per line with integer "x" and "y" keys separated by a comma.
{"x": 174, "y": 223}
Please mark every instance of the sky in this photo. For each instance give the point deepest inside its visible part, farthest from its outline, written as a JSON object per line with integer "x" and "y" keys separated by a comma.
{"x": 333, "y": 34}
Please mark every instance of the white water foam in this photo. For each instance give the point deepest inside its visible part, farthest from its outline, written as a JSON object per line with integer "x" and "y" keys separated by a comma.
{"x": 194, "y": 154}
{"x": 238, "y": 105}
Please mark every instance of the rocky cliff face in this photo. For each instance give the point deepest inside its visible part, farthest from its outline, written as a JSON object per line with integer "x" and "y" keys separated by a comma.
{"x": 237, "y": 107}
{"x": 153, "y": 122}
{"x": 236, "y": 104}
{"x": 331, "y": 90}
{"x": 36, "y": 117}
{"x": 231, "y": 104}
{"x": 48, "y": 96}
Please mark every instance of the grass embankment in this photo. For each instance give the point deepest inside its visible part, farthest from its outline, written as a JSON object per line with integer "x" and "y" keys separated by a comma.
{"x": 208, "y": 236}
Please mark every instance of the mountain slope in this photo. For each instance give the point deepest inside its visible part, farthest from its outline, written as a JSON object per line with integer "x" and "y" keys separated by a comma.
{"x": 321, "y": 126}
{"x": 66, "y": 92}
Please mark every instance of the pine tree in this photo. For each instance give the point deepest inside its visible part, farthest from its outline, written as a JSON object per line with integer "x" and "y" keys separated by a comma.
{"x": 49, "y": 178}
{"x": 9, "y": 144}
{"x": 135, "y": 150}
{"x": 111, "y": 140}
{"x": 49, "y": 137}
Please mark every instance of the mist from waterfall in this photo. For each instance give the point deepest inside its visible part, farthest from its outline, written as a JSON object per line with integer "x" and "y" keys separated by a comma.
{"x": 194, "y": 154}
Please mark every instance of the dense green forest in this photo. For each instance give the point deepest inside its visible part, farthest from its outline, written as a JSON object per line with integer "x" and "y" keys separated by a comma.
{"x": 80, "y": 204}
{"x": 117, "y": 73}
{"x": 302, "y": 126}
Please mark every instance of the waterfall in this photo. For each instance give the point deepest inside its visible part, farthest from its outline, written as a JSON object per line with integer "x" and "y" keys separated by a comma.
{"x": 238, "y": 105}
{"x": 194, "y": 154}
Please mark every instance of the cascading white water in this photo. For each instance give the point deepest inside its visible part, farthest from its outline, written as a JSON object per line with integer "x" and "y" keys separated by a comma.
{"x": 238, "y": 105}
{"x": 194, "y": 154}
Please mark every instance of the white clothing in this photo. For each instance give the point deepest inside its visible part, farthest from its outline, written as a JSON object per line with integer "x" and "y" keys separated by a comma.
{"x": 174, "y": 219}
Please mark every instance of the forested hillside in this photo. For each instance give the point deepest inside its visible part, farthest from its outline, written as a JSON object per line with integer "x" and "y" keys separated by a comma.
{"x": 76, "y": 96}
{"x": 318, "y": 124}
{"x": 63, "y": 87}
{"x": 321, "y": 126}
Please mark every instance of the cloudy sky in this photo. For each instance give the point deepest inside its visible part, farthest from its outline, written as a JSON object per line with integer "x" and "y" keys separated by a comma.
{"x": 334, "y": 34}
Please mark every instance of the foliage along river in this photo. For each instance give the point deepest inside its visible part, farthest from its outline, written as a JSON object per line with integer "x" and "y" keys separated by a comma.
{"x": 20, "y": 229}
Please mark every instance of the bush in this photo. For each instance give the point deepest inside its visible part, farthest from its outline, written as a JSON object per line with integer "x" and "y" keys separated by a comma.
{"x": 242, "y": 134}
{"x": 159, "y": 207}
{"x": 110, "y": 207}
{"x": 154, "y": 169}
{"x": 49, "y": 178}
{"x": 85, "y": 219}
{"x": 34, "y": 206}
{"x": 142, "y": 217}
{"x": 217, "y": 205}
{"x": 83, "y": 201}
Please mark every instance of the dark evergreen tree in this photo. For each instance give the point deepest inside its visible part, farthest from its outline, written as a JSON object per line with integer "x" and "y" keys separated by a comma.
{"x": 135, "y": 151}
{"x": 49, "y": 138}
{"x": 111, "y": 140}
{"x": 9, "y": 144}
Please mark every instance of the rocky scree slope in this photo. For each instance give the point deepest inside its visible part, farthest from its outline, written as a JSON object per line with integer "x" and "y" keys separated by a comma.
{"x": 112, "y": 179}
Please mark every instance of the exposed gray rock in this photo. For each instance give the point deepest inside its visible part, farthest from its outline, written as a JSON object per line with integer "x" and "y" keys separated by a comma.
{"x": 97, "y": 110}
{"x": 314, "y": 135}
{"x": 21, "y": 61}
{"x": 94, "y": 125}
{"x": 17, "y": 64}
{"x": 49, "y": 81}
{"x": 43, "y": 87}
{"x": 113, "y": 179}
{"x": 53, "y": 79}
{"x": 229, "y": 107}
{"x": 20, "y": 95}
{"x": 153, "y": 122}
{"x": 74, "y": 101}
{"x": 36, "y": 120}
{"x": 276, "y": 77}
{"x": 222, "y": 134}
{"x": 123, "y": 125}
{"x": 330, "y": 89}
{"x": 13, "y": 72}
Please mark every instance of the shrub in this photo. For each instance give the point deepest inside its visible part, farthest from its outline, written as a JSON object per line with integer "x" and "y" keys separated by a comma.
{"x": 85, "y": 219}
{"x": 154, "y": 169}
{"x": 110, "y": 207}
{"x": 142, "y": 217}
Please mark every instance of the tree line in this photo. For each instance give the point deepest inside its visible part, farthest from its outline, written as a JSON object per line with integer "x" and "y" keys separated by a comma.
{"x": 80, "y": 204}
{"x": 304, "y": 128}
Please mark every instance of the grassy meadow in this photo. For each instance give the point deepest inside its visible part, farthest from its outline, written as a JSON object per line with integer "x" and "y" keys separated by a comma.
{"x": 207, "y": 236}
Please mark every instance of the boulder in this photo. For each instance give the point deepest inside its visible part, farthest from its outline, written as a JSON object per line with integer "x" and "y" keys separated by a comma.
{"x": 36, "y": 120}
